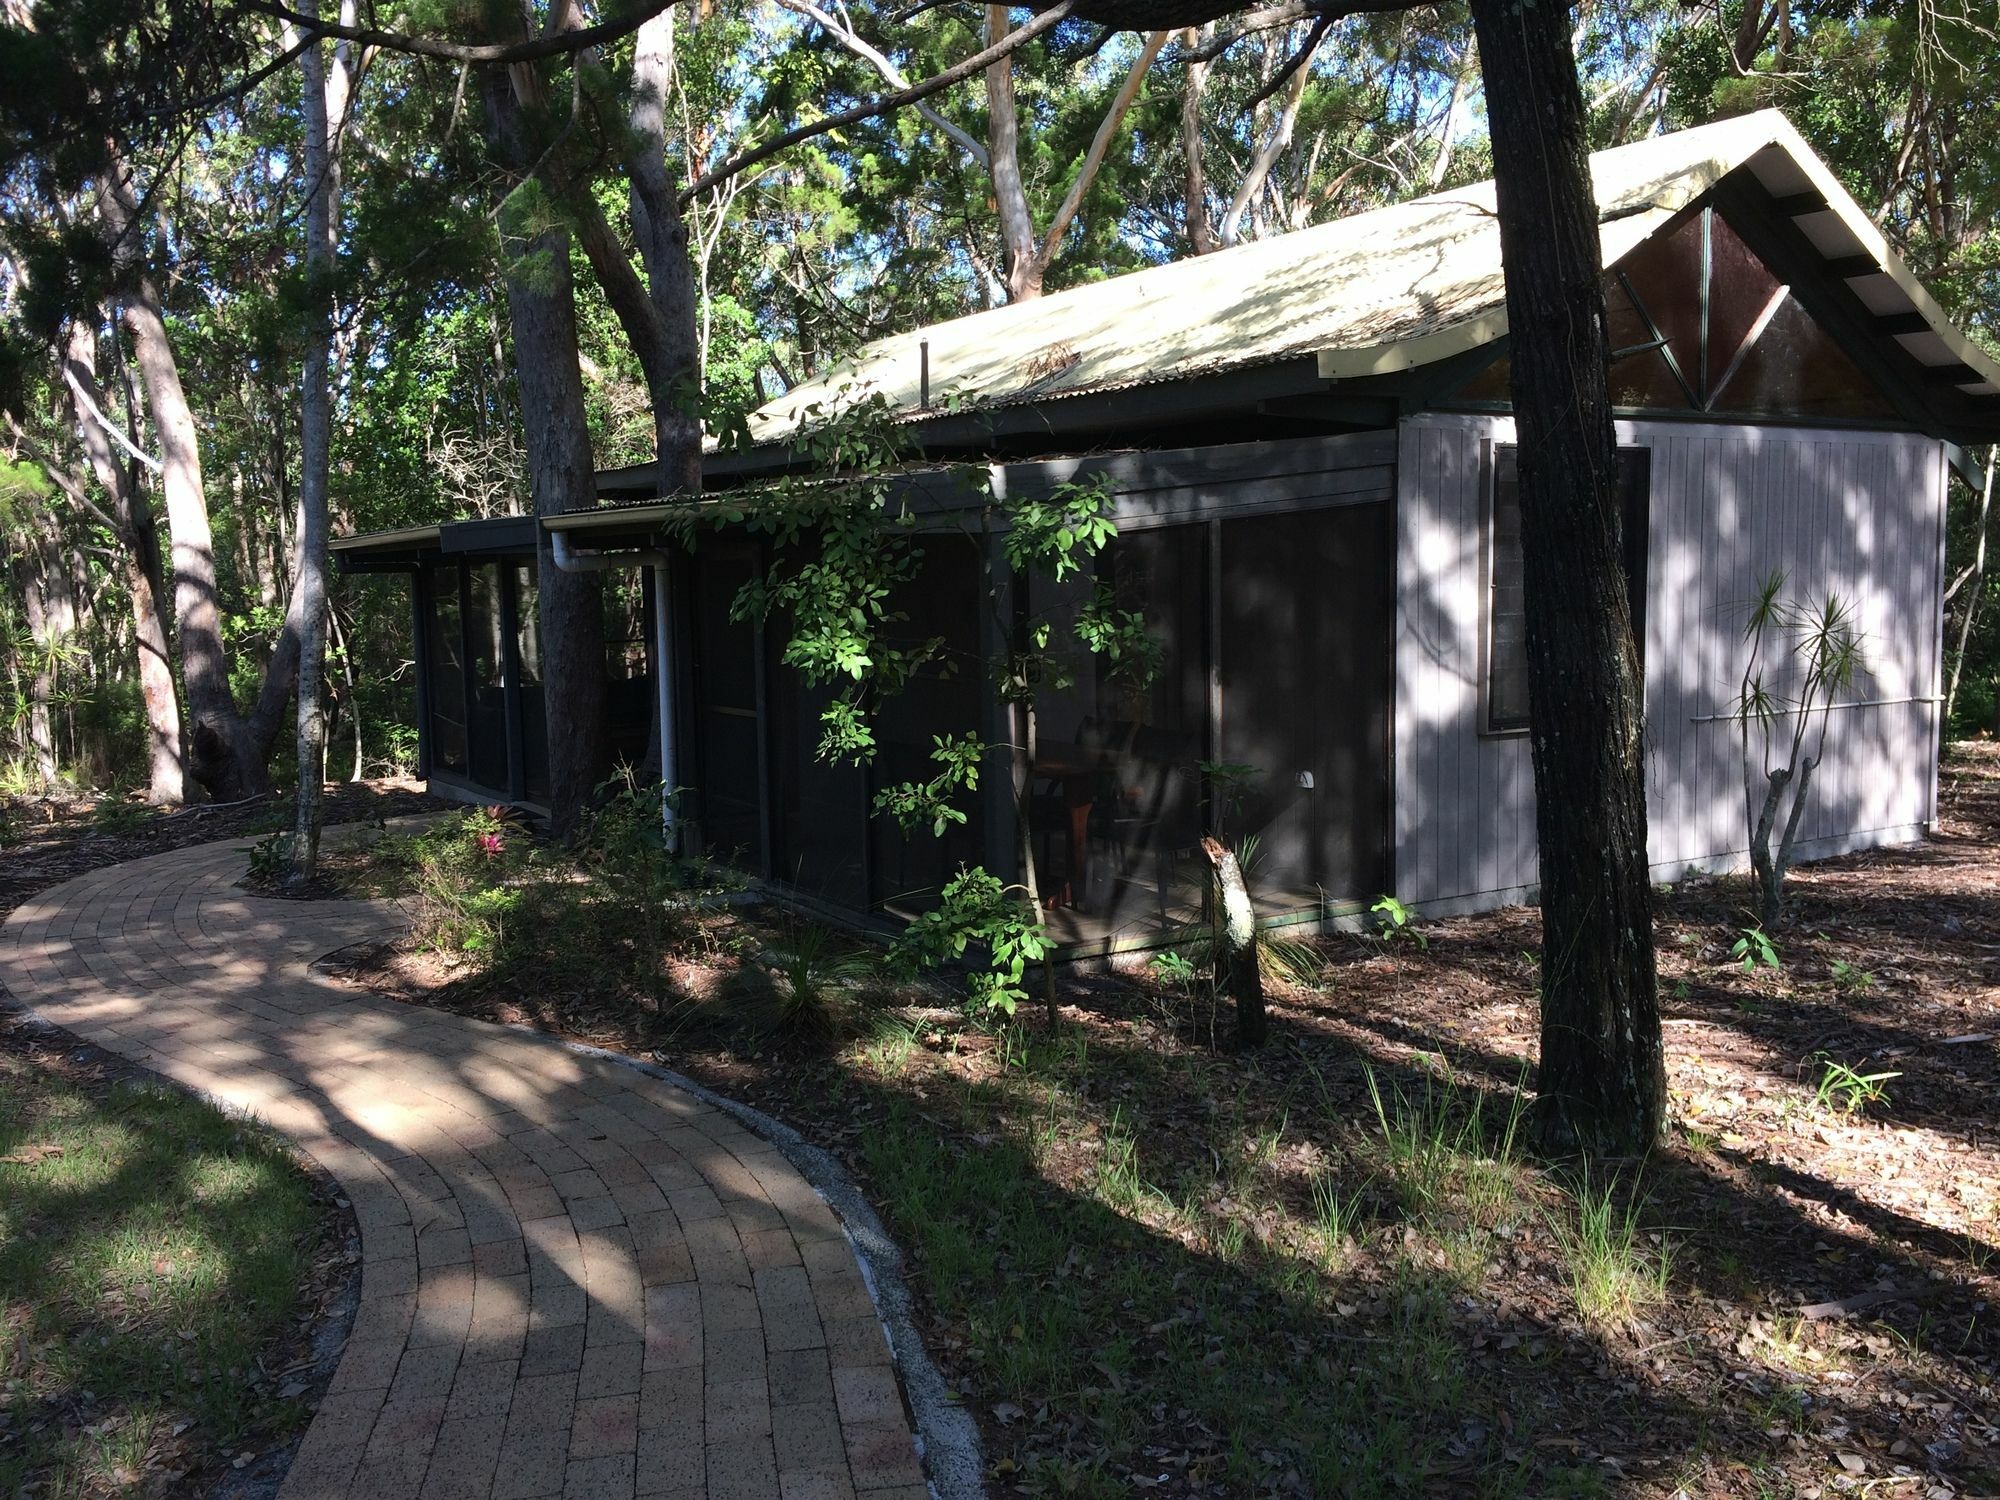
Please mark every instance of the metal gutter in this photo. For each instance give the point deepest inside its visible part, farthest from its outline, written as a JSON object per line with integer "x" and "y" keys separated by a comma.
{"x": 409, "y": 536}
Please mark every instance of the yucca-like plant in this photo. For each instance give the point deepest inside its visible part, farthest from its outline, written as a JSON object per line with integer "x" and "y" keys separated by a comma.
{"x": 1824, "y": 648}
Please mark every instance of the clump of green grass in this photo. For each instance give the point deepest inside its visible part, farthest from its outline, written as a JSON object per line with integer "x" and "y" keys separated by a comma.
{"x": 1336, "y": 1217}
{"x": 814, "y": 973}
{"x": 150, "y": 1249}
{"x": 1615, "y": 1273}
{"x": 1442, "y": 1152}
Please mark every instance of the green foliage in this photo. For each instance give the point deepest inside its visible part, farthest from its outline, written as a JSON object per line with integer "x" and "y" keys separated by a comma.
{"x": 270, "y": 859}
{"x": 1753, "y": 949}
{"x": 1817, "y": 647}
{"x": 1851, "y": 979}
{"x": 814, "y": 969}
{"x": 1847, "y": 1088}
{"x": 976, "y": 912}
{"x": 463, "y": 868}
{"x": 116, "y": 818}
{"x": 913, "y": 804}
{"x": 1057, "y": 536}
{"x": 24, "y": 485}
{"x": 1396, "y": 923}
{"x": 1173, "y": 966}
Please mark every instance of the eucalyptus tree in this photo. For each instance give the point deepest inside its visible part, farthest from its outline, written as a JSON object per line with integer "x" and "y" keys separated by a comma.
{"x": 325, "y": 93}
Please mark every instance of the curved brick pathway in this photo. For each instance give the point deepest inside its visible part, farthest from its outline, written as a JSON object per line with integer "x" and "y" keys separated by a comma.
{"x": 577, "y": 1280}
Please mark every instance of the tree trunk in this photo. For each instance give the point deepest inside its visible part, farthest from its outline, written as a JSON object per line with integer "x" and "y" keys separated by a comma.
{"x": 324, "y": 97}
{"x": 1976, "y": 582}
{"x": 1603, "y": 1077}
{"x": 1021, "y": 265}
{"x": 32, "y": 564}
{"x": 661, "y": 231}
{"x": 139, "y": 558}
{"x": 220, "y": 755}
{"x": 1461, "y": 86}
{"x": 1236, "y": 969}
{"x": 1194, "y": 184}
{"x": 541, "y": 305}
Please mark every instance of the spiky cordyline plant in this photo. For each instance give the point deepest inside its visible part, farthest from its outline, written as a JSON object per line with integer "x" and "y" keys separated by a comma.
{"x": 1820, "y": 638}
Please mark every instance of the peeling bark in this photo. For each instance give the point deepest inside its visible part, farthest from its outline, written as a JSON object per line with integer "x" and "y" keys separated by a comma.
{"x": 139, "y": 561}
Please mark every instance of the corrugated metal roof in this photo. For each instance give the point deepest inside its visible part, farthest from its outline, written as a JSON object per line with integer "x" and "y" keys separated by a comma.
{"x": 1380, "y": 291}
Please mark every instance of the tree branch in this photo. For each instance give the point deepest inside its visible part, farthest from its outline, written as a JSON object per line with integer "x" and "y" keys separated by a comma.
{"x": 1100, "y": 144}
{"x": 1295, "y": 64}
{"x": 891, "y": 74}
{"x": 558, "y": 44}
{"x": 84, "y": 400}
{"x": 937, "y": 83}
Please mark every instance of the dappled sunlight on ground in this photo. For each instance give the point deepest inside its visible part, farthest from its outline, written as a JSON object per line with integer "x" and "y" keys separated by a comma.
{"x": 1334, "y": 1267}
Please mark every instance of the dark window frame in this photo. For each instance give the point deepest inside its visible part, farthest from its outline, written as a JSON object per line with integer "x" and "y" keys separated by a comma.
{"x": 1636, "y": 487}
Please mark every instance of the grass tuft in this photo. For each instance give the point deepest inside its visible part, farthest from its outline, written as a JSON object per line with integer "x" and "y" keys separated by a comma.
{"x": 1615, "y": 1274}
{"x": 1442, "y": 1153}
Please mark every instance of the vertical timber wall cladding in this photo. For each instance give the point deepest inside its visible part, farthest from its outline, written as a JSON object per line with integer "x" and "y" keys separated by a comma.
{"x": 1858, "y": 513}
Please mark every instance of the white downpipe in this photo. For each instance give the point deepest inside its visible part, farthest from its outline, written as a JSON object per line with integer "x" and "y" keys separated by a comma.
{"x": 570, "y": 560}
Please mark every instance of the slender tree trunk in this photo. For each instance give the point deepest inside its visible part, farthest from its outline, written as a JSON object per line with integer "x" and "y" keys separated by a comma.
{"x": 1194, "y": 185}
{"x": 1976, "y": 582}
{"x": 324, "y": 98}
{"x": 1461, "y": 88}
{"x": 1603, "y": 1077}
{"x": 1021, "y": 266}
{"x": 31, "y": 569}
{"x": 139, "y": 558}
{"x": 541, "y": 305}
{"x": 220, "y": 754}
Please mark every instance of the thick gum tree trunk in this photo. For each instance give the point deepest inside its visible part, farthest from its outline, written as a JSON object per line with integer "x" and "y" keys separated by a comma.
{"x": 221, "y": 755}
{"x": 139, "y": 561}
{"x": 1603, "y": 1079}
{"x": 541, "y": 305}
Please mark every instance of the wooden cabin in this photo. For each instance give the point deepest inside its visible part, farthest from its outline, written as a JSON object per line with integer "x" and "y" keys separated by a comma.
{"x": 1309, "y": 443}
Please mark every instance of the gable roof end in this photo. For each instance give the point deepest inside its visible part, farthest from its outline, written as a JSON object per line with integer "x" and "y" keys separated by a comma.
{"x": 1376, "y": 293}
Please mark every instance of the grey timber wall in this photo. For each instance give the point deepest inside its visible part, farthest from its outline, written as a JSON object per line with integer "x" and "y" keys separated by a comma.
{"x": 1855, "y": 512}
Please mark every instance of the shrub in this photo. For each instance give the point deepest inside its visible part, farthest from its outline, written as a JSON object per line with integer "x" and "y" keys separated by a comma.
{"x": 461, "y": 870}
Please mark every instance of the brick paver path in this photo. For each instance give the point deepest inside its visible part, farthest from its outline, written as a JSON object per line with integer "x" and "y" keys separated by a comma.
{"x": 576, "y": 1280}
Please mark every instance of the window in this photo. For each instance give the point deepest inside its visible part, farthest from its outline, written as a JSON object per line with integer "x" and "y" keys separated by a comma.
{"x": 1506, "y": 623}
{"x": 1696, "y": 321}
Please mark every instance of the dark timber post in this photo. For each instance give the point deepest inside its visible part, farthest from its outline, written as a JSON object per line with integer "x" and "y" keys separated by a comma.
{"x": 420, "y": 613}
